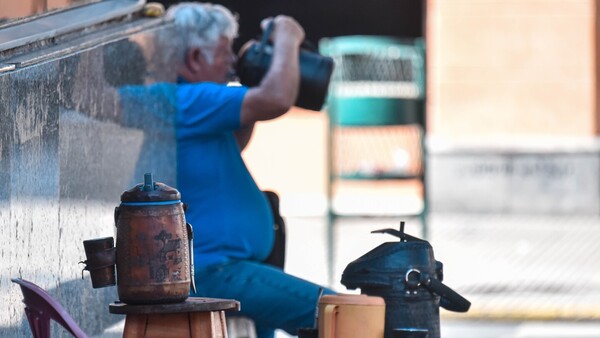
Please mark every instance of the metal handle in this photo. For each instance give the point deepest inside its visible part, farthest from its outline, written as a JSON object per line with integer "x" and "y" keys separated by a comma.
{"x": 267, "y": 33}
{"x": 449, "y": 299}
{"x": 117, "y": 212}
{"x": 190, "y": 233}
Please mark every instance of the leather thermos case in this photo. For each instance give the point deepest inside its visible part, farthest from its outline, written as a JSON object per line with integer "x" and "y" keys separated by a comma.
{"x": 152, "y": 248}
{"x": 254, "y": 60}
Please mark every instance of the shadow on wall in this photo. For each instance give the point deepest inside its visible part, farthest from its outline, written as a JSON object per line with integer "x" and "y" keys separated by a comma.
{"x": 115, "y": 123}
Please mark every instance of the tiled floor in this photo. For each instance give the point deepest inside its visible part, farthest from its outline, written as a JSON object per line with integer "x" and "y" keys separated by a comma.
{"x": 526, "y": 276}
{"x": 516, "y": 270}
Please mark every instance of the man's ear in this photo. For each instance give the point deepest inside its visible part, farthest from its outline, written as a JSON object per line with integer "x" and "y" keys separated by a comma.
{"x": 194, "y": 59}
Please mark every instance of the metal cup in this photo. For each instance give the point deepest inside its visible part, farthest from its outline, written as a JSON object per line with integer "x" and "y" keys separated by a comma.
{"x": 100, "y": 254}
{"x": 410, "y": 333}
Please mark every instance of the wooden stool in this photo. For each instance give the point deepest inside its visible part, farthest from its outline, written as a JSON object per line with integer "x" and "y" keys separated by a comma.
{"x": 195, "y": 317}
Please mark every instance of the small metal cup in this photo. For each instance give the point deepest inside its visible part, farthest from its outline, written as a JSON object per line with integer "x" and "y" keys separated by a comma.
{"x": 100, "y": 254}
{"x": 410, "y": 333}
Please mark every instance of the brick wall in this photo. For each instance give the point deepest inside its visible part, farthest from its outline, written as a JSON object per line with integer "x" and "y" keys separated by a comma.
{"x": 512, "y": 67}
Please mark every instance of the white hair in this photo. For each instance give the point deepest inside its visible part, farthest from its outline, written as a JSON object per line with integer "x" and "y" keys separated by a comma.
{"x": 202, "y": 25}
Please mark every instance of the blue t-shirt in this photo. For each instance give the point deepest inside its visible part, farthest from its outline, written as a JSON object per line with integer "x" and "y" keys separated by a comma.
{"x": 230, "y": 215}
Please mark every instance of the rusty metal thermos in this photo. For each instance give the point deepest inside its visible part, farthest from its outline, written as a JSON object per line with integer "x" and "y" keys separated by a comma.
{"x": 153, "y": 256}
{"x": 152, "y": 246}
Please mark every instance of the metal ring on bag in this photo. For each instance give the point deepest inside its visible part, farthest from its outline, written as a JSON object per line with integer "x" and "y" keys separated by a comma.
{"x": 409, "y": 272}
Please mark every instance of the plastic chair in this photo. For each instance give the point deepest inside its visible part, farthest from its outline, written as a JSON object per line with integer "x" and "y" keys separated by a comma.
{"x": 40, "y": 307}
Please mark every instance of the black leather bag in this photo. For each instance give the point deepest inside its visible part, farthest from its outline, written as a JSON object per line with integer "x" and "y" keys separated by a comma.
{"x": 407, "y": 276}
{"x": 315, "y": 70}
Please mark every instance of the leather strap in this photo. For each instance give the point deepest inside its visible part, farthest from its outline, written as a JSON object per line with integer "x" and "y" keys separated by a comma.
{"x": 449, "y": 299}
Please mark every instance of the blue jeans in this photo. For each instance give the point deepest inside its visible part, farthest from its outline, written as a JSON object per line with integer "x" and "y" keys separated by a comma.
{"x": 269, "y": 296}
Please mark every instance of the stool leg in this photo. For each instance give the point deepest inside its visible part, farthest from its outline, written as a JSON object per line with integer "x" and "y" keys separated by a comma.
{"x": 135, "y": 326}
{"x": 168, "y": 325}
{"x": 208, "y": 324}
{"x": 222, "y": 323}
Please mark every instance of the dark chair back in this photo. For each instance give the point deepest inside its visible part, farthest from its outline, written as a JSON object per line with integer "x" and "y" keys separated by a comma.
{"x": 277, "y": 256}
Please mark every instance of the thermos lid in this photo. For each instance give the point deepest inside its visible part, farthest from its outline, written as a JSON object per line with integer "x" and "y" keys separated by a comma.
{"x": 347, "y": 299}
{"x": 386, "y": 265}
{"x": 150, "y": 191}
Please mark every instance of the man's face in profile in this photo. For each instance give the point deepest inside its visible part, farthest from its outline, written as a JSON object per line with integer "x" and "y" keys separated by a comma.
{"x": 223, "y": 61}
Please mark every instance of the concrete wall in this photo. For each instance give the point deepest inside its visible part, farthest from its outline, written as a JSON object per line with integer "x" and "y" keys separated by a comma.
{"x": 80, "y": 122}
{"x": 522, "y": 180}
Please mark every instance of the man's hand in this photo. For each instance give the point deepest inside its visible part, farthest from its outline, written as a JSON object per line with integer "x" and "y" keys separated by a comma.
{"x": 278, "y": 90}
{"x": 285, "y": 29}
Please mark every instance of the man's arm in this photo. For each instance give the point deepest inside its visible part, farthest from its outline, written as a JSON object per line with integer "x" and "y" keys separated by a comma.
{"x": 278, "y": 90}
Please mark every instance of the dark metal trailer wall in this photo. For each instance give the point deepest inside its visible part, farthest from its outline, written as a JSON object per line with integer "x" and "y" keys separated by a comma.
{"x": 328, "y": 18}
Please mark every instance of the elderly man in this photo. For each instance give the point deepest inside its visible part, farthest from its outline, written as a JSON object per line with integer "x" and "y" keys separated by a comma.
{"x": 231, "y": 217}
